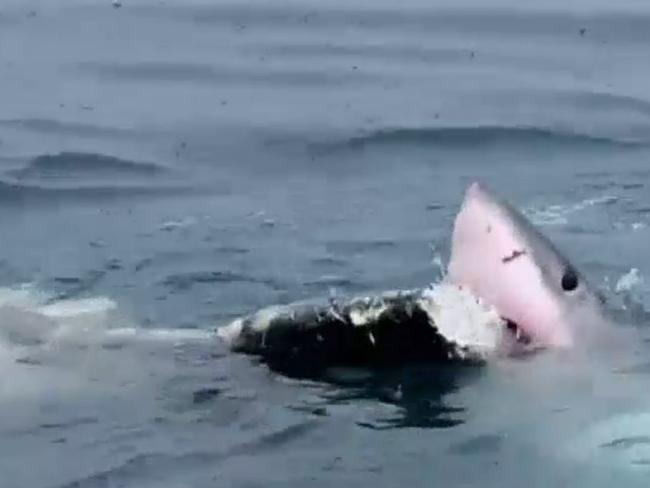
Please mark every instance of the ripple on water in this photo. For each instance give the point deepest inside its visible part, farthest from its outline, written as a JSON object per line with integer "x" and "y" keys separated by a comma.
{"x": 186, "y": 280}
{"x": 179, "y": 72}
{"x": 466, "y": 138}
{"x": 58, "y": 127}
{"x": 73, "y": 165}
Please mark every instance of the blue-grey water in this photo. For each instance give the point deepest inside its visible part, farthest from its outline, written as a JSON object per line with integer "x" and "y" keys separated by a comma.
{"x": 169, "y": 165}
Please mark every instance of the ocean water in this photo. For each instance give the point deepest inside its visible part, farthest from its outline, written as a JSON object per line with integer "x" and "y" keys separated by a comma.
{"x": 166, "y": 166}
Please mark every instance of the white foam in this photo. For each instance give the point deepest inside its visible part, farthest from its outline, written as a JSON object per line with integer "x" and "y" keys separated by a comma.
{"x": 463, "y": 318}
{"x": 360, "y": 318}
{"x": 559, "y": 214}
{"x": 263, "y": 317}
{"x": 170, "y": 225}
{"x": 49, "y": 345}
{"x": 164, "y": 335}
{"x": 629, "y": 281}
{"x": 230, "y": 332}
{"x": 632, "y": 291}
{"x": 25, "y": 295}
{"x": 259, "y": 322}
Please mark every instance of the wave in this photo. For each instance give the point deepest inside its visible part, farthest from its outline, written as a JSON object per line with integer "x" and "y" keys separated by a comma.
{"x": 44, "y": 338}
{"x": 473, "y": 137}
{"x": 352, "y": 247}
{"x": 89, "y": 176}
{"x": 186, "y": 280}
{"x": 180, "y": 72}
{"x": 76, "y": 164}
{"x": 558, "y": 214}
{"x": 19, "y": 193}
{"x": 604, "y": 101}
{"x": 613, "y": 24}
{"x": 58, "y": 127}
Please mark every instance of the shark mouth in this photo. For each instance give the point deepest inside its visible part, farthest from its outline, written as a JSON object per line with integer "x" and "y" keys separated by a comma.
{"x": 517, "y": 342}
{"x": 517, "y": 333}
{"x": 471, "y": 323}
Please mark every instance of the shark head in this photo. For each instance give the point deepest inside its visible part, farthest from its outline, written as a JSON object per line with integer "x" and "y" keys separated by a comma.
{"x": 508, "y": 263}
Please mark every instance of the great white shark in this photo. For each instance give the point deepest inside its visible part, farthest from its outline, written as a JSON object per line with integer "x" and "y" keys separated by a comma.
{"x": 508, "y": 289}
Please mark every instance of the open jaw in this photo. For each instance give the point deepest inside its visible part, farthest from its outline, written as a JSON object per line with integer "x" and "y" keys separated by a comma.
{"x": 502, "y": 258}
{"x": 468, "y": 322}
{"x": 516, "y": 342}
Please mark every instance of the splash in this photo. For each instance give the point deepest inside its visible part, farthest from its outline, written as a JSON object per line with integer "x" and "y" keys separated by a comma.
{"x": 48, "y": 344}
{"x": 463, "y": 318}
{"x": 559, "y": 214}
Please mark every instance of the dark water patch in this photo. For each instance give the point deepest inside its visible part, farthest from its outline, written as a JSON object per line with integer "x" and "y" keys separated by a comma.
{"x": 472, "y": 138}
{"x": 67, "y": 280}
{"x": 185, "y": 281}
{"x": 435, "y": 206}
{"x": 57, "y": 127}
{"x": 28, "y": 361}
{"x": 73, "y": 286}
{"x": 358, "y": 247}
{"x": 234, "y": 250}
{"x": 175, "y": 72}
{"x": 114, "y": 264}
{"x": 66, "y": 424}
{"x": 310, "y": 409}
{"x": 517, "y": 23}
{"x": 332, "y": 281}
{"x": 382, "y": 52}
{"x": 329, "y": 262}
{"x": 205, "y": 395}
{"x": 142, "y": 264}
{"x": 582, "y": 230}
{"x": 436, "y": 422}
{"x": 601, "y": 186}
{"x": 69, "y": 423}
{"x": 625, "y": 443}
{"x": 419, "y": 393}
{"x": 478, "y": 444}
{"x": 71, "y": 165}
{"x": 632, "y": 186}
{"x": 21, "y": 193}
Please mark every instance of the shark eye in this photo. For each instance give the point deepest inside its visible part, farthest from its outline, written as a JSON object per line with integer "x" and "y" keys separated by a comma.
{"x": 569, "y": 279}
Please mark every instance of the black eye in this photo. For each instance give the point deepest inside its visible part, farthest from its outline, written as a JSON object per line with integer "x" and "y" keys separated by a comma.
{"x": 569, "y": 279}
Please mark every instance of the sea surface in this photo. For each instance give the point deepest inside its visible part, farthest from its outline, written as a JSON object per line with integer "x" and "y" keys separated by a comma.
{"x": 166, "y": 166}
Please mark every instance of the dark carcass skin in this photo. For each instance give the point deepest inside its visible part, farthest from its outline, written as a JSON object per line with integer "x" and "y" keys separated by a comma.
{"x": 387, "y": 329}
